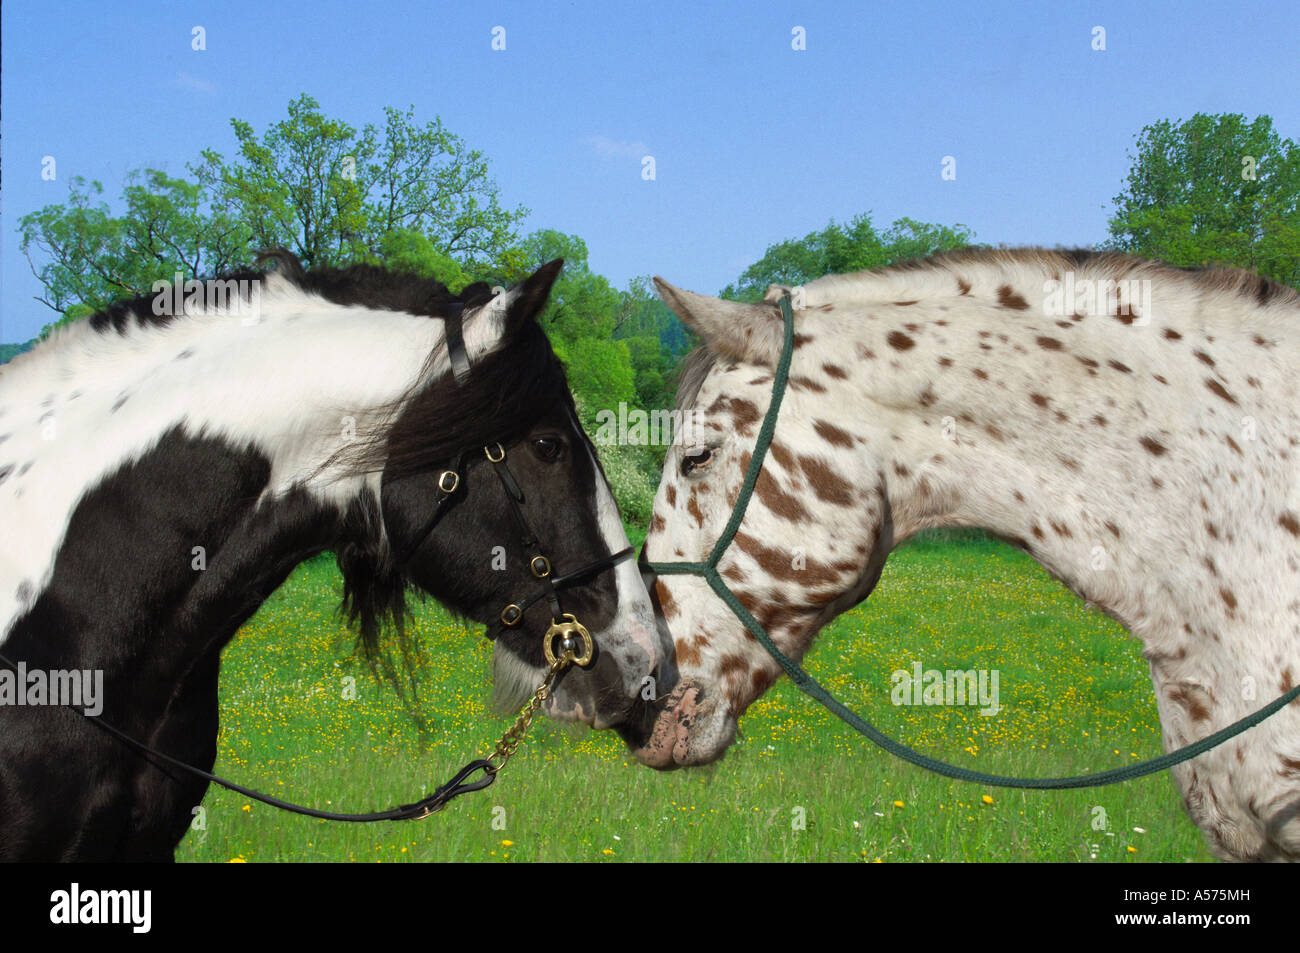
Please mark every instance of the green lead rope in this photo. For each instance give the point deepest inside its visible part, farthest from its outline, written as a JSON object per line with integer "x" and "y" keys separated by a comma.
{"x": 811, "y": 687}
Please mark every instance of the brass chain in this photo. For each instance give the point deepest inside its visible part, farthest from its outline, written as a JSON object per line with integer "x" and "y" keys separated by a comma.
{"x": 515, "y": 734}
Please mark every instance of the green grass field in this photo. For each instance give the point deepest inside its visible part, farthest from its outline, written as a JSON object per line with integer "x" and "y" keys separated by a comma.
{"x": 1075, "y": 698}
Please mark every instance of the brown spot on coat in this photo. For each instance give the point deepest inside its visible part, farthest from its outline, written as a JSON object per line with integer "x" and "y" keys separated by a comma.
{"x": 1172, "y": 335}
{"x": 1152, "y": 446}
{"x": 1122, "y": 368}
{"x": 1218, "y": 390}
{"x": 834, "y": 370}
{"x": 666, "y": 603}
{"x": 1289, "y": 523}
{"x": 1049, "y": 344}
{"x": 1195, "y": 707}
{"x": 1040, "y": 400}
{"x": 807, "y": 383}
{"x": 981, "y": 373}
{"x": 670, "y": 494}
{"x": 1009, "y": 299}
{"x": 1229, "y": 598}
{"x": 825, "y": 482}
{"x": 1204, "y": 358}
{"x": 687, "y": 654}
{"x": 1233, "y": 444}
{"x": 900, "y": 341}
{"x": 832, "y": 434}
{"x": 693, "y": 507}
{"x": 783, "y": 504}
{"x": 731, "y": 664}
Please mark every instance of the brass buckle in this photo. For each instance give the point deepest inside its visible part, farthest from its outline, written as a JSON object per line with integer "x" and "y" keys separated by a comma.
{"x": 570, "y": 633}
{"x": 501, "y": 453}
{"x": 442, "y": 481}
{"x": 545, "y": 569}
{"x": 513, "y": 618}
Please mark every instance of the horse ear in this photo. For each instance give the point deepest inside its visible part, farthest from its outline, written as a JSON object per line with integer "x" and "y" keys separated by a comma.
{"x": 752, "y": 333}
{"x": 503, "y": 315}
{"x": 526, "y": 300}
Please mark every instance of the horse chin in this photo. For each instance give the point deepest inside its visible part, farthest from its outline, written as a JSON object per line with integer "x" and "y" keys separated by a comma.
{"x": 689, "y": 729}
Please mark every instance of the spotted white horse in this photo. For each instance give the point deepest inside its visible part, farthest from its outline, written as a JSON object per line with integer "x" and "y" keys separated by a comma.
{"x": 1130, "y": 425}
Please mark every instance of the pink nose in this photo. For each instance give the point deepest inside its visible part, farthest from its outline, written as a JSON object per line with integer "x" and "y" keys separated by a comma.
{"x": 668, "y": 744}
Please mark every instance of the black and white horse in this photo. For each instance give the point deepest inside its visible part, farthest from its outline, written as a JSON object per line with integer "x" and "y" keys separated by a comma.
{"x": 165, "y": 464}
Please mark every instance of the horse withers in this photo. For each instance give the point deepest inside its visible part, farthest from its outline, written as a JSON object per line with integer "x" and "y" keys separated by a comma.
{"x": 163, "y": 468}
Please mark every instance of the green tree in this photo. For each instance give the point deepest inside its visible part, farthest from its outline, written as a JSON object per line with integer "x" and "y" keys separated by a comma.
{"x": 330, "y": 194}
{"x": 404, "y": 250}
{"x": 656, "y": 340}
{"x": 580, "y": 320}
{"x": 91, "y": 257}
{"x": 415, "y": 194}
{"x": 837, "y": 249}
{"x": 1213, "y": 189}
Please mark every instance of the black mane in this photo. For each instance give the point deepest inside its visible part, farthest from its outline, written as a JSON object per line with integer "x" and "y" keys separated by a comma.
{"x": 418, "y": 434}
{"x": 360, "y": 284}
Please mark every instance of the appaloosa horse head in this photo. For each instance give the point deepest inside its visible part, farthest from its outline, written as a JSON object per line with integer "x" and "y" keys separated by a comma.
{"x": 1070, "y": 403}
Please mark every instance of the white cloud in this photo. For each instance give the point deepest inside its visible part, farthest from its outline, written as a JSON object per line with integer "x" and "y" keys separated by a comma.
{"x": 608, "y": 148}
{"x": 193, "y": 83}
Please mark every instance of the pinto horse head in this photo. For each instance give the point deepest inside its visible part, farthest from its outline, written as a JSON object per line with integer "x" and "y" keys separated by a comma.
{"x": 528, "y": 503}
{"x": 165, "y": 464}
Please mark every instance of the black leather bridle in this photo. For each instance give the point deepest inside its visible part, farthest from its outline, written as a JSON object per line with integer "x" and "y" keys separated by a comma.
{"x": 565, "y": 630}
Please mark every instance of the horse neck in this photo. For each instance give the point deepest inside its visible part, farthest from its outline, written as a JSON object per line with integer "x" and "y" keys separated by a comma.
{"x": 1146, "y": 464}
{"x": 291, "y": 388}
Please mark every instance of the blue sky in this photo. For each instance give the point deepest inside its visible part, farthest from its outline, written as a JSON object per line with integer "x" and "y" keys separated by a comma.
{"x": 753, "y": 142}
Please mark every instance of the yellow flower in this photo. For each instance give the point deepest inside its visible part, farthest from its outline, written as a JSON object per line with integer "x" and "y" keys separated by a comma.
{"x": 507, "y": 843}
{"x": 898, "y": 804}
{"x": 607, "y": 852}
{"x": 987, "y": 799}
{"x": 247, "y": 807}
{"x": 1132, "y": 850}
{"x": 237, "y": 860}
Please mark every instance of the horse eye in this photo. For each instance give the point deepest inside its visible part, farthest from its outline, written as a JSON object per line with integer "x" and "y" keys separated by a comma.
{"x": 696, "y": 459}
{"x": 547, "y": 448}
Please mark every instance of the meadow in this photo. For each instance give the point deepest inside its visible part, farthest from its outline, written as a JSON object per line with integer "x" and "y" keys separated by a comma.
{"x": 304, "y": 719}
